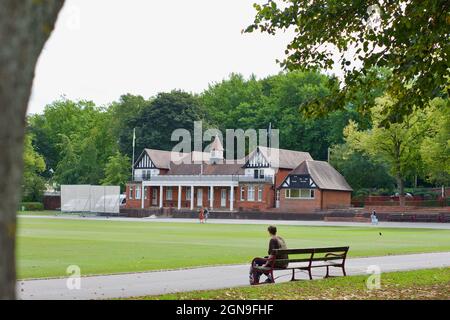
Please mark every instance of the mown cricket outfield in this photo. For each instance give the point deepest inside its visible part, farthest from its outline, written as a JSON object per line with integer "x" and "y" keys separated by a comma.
{"x": 46, "y": 247}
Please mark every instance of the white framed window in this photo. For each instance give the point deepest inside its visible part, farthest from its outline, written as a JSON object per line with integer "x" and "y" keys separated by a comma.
{"x": 299, "y": 193}
{"x": 138, "y": 192}
{"x": 242, "y": 194}
{"x": 209, "y": 194}
{"x": 130, "y": 196}
{"x": 251, "y": 193}
{"x": 260, "y": 193}
{"x": 188, "y": 193}
{"x": 145, "y": 193}
{"x": 169, "y": 193}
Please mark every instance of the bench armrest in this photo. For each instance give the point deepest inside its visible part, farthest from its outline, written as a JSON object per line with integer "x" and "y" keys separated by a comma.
{"x": 334, "y": 254}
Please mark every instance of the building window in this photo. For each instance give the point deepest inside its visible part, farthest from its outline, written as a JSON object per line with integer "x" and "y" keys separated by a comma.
{"x": 278, "y": 195}
{"x": 169, "y": 193}
{"x": 300, "y": 193}
{"x": 188, "y": 193}
{"x": 242, "y": 194}
{"x": 130, "y": 196}
{"x": 258, "y": 173}
{"x": 138, "y": 192}
{"x": 145, "y": 193}
{"x": 251, "y": 193}
{"x": 260, "y": 193}
{"x": 209, "y": 194}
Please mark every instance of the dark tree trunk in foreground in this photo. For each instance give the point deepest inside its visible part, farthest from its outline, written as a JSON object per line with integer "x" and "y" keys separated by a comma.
{"x": 25, "y": 25}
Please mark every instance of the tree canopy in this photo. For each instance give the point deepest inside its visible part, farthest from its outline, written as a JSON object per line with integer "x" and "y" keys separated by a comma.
{"x": 409, "y": 37}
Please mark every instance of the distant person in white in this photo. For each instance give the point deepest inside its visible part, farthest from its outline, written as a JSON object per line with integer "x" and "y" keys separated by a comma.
{"x": 373, "y": 217}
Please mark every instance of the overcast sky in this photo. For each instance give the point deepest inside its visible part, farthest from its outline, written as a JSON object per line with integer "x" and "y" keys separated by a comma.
{"x": 102, "y": 49}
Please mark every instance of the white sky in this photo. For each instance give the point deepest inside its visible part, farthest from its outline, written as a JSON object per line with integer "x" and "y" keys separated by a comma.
{"x": 102, "y": 49}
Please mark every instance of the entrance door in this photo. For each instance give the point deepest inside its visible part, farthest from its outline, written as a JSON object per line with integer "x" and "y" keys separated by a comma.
{"x": 155, "y": 197}
{"x": 199, "y": 197}
{"x": 223, "y": 197}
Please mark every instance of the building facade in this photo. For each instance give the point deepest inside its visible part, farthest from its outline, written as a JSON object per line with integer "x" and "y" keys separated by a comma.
{"x": 268, "y": 179}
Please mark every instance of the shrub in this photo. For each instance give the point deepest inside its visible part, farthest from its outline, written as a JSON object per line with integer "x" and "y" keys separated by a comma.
{"x": 31, "y": 206}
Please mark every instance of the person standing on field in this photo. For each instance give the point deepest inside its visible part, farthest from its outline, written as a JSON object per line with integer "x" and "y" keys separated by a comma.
{"x": 201, "y": 215}
{"x": 373, "y": 217}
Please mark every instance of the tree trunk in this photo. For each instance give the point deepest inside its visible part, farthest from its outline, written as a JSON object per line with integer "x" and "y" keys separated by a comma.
{"x": 401, "y": 191}
{"x": 25, "y": 26}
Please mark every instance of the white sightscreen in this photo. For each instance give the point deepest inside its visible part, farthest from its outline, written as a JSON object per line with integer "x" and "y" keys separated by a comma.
{"x": 75, "y": 198}
{"x": 86, "y": 198}
{"x": 105, "y": 199}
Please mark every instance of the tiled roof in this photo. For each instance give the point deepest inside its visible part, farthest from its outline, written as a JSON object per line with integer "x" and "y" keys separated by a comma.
{"x": 208, "y": 169}
{"x": 324, "y": 175}
{"x": 163, "y": 159}
{"x": 282, "y": 158}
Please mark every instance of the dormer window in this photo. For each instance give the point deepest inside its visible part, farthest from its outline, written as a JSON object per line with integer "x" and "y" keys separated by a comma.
{"x": 258, "y": 173}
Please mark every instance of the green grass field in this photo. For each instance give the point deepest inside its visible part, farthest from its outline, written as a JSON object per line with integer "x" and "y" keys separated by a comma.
{"x": 47, "y": 246}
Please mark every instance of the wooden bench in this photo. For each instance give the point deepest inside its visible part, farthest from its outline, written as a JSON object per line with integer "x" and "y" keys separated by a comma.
{"x": 307, "y": 259}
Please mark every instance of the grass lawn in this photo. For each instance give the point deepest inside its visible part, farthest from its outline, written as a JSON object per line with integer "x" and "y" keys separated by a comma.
{"x": 46, "y": 247}
{"x": 39, "y": 213}
{"x": 421, "y": 284}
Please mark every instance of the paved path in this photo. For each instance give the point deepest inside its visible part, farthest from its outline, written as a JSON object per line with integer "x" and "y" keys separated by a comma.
{"x": 421, "y": 225}
{"x": 154, "y": 283}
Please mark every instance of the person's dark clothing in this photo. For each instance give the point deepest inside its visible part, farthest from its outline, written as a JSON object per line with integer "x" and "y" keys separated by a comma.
{"x": 257, "y": 268}
{"x": 278, "y": 243}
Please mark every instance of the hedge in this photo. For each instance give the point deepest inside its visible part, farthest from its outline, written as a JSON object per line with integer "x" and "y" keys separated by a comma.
{"x": 31, "y": 206}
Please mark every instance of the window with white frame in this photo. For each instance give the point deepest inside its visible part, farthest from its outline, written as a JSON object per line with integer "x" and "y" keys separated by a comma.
{"x": 209, "y": 194}
{"x": 169, "y": 193}
{"x": 242, "y": 194}
{"x": 300, "y": 193}
{"x": 145, "y": 193}
{"x": 260, "y": 193}
{"x": 130, "y": 196}
{"x": 138, "y": 192}
{"x": 251, "y": 193}
{"x": 188, "y": 193}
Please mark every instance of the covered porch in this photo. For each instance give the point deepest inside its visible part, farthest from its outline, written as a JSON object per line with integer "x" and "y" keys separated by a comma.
{"x": 190, "y": 192}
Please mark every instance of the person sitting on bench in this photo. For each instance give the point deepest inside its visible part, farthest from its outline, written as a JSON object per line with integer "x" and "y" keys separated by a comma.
{"x": 262, "y": 265}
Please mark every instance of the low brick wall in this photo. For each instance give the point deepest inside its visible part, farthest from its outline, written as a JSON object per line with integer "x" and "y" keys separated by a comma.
{"x": 188, "y": 214}
{"x": 350, "y": 215}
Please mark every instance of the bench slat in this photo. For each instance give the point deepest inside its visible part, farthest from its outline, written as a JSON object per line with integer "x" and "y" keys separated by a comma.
{"x": 310, "y": 250}
{"x": 307, "y": 260}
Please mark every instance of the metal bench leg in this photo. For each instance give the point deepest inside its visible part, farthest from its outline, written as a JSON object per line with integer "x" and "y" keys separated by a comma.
{"x": 343, "y": 270}
{"x": 310, "y": 275}
{"x": 328, "y": 272}
{"x": 293, "y": 275}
